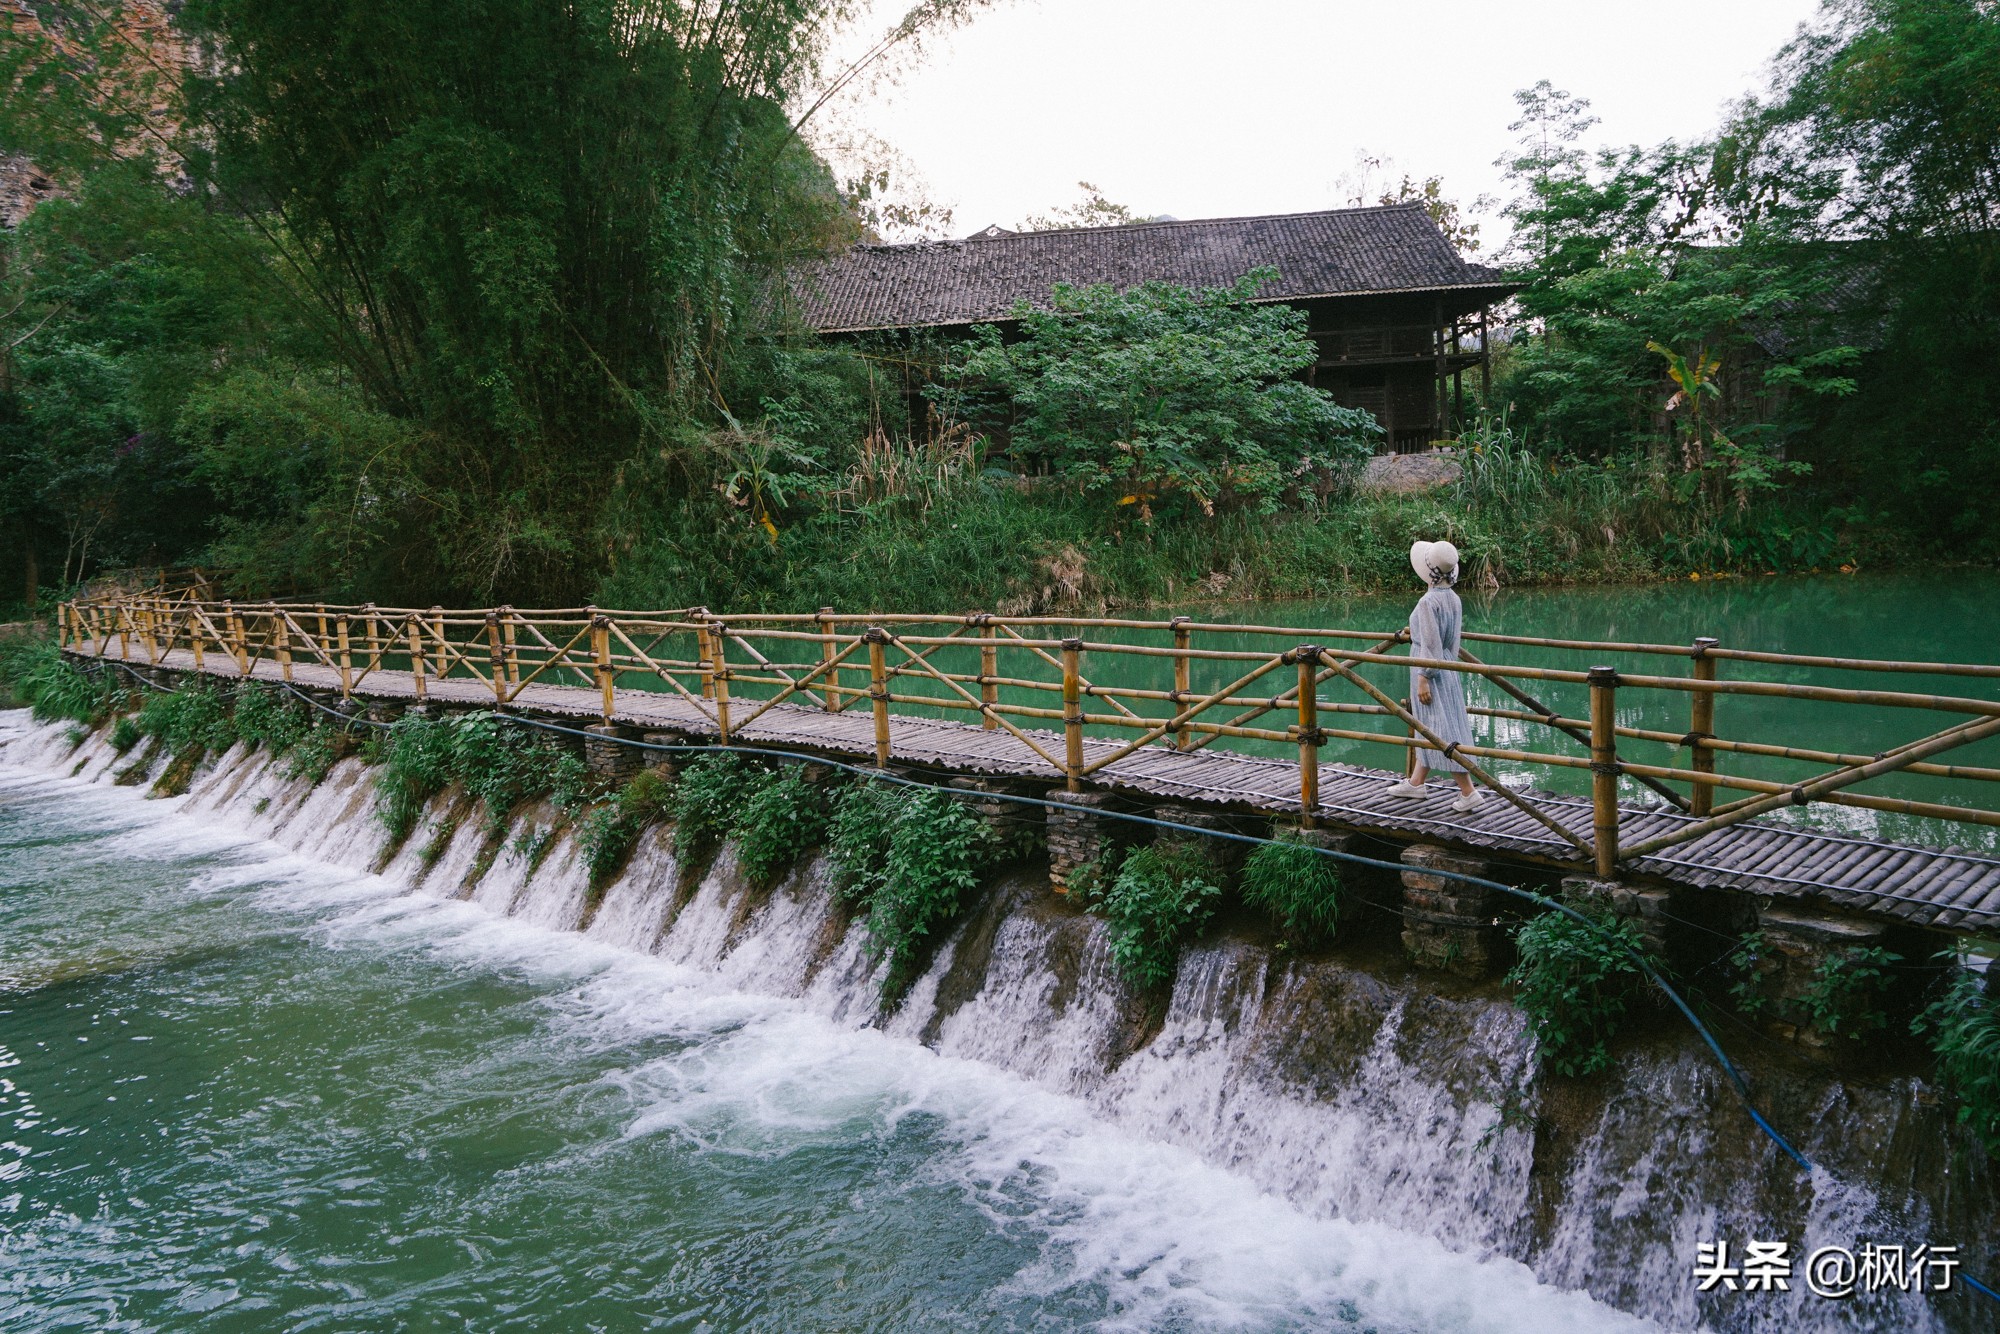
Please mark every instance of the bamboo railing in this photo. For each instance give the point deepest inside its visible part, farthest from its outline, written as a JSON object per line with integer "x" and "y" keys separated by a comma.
{"x": 1050, "y": 687}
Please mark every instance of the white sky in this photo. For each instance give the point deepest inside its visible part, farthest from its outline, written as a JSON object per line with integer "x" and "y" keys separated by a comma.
{"x": 1260, "y": 106}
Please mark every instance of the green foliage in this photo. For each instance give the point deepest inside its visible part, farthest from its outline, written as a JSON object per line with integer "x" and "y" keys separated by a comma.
{"x": 312, "y": 756}
{"x": 1576, "y": 981}
{"x": 1849, "y": 992}
{"x": 125, "y": 734}
{"x": 609, "y": 833}
{"x": 711, "y": 792}
{"x": 416, "y": 767}
{"x": 196, "y": 718}
{"x": 1297, "y": 886}
{"x": 778, "y": 822}
{"x": 265, "y": 718}
{"x": 1160, "y": 398}
{"x": 864, "y": 816}
{"x": 499, "y": 763}
{"x": 36, "y": 672}
{"x": 1964, "y": 1033}
{"x": 909, "y": 857}
{"x": 1162, "y": 896}
{"x": 1746, "y": 967}
{"x": 937, "y": 850}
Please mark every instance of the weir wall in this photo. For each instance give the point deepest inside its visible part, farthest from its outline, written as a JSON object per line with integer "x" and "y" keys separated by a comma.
{"x": 1350, "y": 1083}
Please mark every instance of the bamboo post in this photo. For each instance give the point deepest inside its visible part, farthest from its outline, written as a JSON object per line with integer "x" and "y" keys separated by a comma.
{"x": 195, "y": 640}
{"x": 148, "y": 638}
{"x": 417, "y": 658}
{"x": 600, "y": 651}
{"x": 508, "y": 617}
{"x": 1310, "y": 737}
{"x": 1409, "y": 751}
{"x": 1604, "y": 768}
{"x": 830, "y": 681}
{"x": 1072, "y": 694}
{"x": 1183, "y": 677}
{"x": 441, "y": 667}
{"x": 989, "y": 674}
{"x": 234, "y": 620}
{"x": 281, "y": 633}
{"x": 718, "y": 639}
{"x": 346, "y": 663}
{"x": 1701, "y": 727}
{"x": 372, "y": 629}
{"x": 706, "y": 650}
{"x": 124, "y": 615}
{"x": 496, "y": 658}
{"x": 878, "y": 691}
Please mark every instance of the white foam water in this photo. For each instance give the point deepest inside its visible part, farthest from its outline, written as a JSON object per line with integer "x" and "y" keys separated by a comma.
{"x": 773, "y": 1057}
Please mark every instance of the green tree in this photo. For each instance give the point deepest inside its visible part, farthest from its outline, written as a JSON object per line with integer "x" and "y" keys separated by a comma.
{"x": 1159, "y": 398}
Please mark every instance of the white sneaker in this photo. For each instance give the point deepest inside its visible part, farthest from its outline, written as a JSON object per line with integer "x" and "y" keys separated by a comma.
{"x": 1467, "y": 801}
{"x": 1404, "y": 789}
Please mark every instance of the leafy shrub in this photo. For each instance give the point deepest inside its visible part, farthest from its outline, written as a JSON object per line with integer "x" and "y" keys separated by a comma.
{"x": 1162, "y": 896}
{"x": 937, "y": 849}
{"x": 1746, "y": 965}
{"x": 777, "y": 823}
{"x": 50, "y": 684}
{"x": 1964, "y": 1029}
{"x": 864, "y": 816}
{"x": 499, "y": 763}
{"x": 312, "y": 756}
{"x": 608, "y": 833}
{"x": 1576, "y": 980}
{"x": 710, "y": 793}
{"x": 194, "y": 718}
{"x": 416, "y": 767}
{"x": 264, "y": 718}
{"x": 1850, "y": 990}
{"x": 1297, "y": 886}
{"x": 125, "y": 734}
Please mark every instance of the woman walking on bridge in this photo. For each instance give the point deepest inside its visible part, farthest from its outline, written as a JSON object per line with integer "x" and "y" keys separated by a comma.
{"x": 1438, "y": 694}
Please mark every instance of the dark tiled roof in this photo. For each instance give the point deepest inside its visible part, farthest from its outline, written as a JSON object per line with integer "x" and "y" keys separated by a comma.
{"x": 1343, "y": 252}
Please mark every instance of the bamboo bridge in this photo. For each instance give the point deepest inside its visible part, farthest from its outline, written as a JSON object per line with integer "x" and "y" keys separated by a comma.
{"x": 1148, "y": 709}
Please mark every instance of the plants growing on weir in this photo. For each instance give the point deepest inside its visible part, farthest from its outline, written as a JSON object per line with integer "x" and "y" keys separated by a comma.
{"x": 608, "y": 834}
{"x": 1963, "y": 1027}
{"x": 1576, "y": 980}
{"x": 36, "y": 672}
{"x": 711, "y": 791}
{"x": 1849, "y": 993}
{"x": 778, "y": 823}
{"x": 1161, "y": 896}
{"x": 1297, "y": 887}
{"x": 500, "y": 764}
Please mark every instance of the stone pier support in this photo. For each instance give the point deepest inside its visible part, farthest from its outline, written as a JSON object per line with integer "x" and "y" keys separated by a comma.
{"x": 1225, "y": 856}
{"x": 607, "y": 759}
{"x": 1646, "y": 909}
{"x": 1448, "y": 924}
{"x": 666, "y": 763}
{"x": 1797, "y": 946}
{"x": 1078, "y": 834}
{"x": 1016, "y": 828}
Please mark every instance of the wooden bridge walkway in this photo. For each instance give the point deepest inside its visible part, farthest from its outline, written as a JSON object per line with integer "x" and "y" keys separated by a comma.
{"x": 1944, "y": 888}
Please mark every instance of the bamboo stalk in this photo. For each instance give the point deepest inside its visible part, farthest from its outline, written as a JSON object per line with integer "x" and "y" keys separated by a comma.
{"x": 989, "y": 671}
{"x": 1604, "y": 769}
{"x": 1072, "y": 652}
{"x": 600, "y": 648}
{"x": 718, "y": 675}
{"x": 282, "y": 627}
{"x": 1153, "y": 733}
{"x": 417, "y": 684}
{"x": 496, "y": 657}
{"x": 1183, "y": 676}
{"x": 970, "y": 703}
{"x": 878, "y": 691}
{"x": 829, "y": 698}
{"x": 1701, "y": 726}
{"x": 1310, "y": 736}
{"x": 1737, "y": 812}
{"x": 346, "y": 666}
{"x": 826, "y": 666}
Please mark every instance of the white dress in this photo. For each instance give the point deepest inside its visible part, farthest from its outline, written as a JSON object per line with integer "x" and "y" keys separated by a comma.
{"x": 1435, "y": 626}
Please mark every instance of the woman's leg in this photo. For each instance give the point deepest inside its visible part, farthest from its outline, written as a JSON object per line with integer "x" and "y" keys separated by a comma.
{"x": 1464, "y": 782}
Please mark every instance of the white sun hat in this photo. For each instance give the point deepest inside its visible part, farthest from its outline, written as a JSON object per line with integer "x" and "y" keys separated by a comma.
{"x": 1434, "y": 562}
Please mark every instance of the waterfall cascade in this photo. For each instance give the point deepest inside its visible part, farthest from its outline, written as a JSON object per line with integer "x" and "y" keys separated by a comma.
{"x": 1362, "y": 1092}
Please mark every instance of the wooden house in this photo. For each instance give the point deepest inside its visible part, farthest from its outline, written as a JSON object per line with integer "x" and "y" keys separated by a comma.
{"x": 1398, "y": 315}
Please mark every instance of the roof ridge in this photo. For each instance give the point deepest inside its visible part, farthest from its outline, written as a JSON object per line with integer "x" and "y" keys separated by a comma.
{"x": 1152, "y": 224}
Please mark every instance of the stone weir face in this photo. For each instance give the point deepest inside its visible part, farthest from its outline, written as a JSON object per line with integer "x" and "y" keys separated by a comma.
{"x": 1350, "y": 1085}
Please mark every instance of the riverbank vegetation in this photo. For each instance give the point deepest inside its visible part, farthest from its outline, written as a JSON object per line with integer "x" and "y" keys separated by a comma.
{"x": 491, "y": 308}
